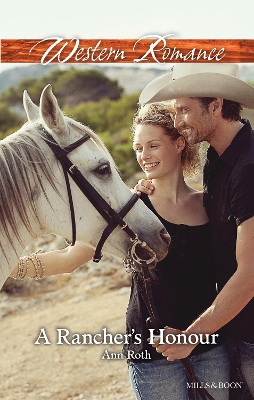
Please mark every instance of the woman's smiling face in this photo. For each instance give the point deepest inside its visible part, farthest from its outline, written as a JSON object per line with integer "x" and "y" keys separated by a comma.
{"x": 156, "y": 152}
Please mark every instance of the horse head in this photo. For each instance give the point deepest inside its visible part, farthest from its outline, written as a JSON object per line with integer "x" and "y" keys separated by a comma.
{"x": 50, "y": 201}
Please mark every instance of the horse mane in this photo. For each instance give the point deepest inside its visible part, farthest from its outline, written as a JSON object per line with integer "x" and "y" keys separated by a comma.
{"x": 23, "y": 166}
{"x": 23, "y": 169}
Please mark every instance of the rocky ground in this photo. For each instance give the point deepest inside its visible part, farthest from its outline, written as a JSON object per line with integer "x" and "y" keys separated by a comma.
{"x": 92, "y": 298}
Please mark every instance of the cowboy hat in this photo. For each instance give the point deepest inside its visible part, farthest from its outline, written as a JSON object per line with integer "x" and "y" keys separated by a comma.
{"x": 200, "y": 80}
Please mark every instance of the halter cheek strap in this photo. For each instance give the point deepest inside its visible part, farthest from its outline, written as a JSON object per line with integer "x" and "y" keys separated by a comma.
{"x": 112, "y": 225}
{"x": 60, "y": 153}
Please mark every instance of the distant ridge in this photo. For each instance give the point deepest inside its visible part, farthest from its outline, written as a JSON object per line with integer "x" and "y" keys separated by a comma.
{"x": 132, "y": 79}
{"x": 12, "y": 76}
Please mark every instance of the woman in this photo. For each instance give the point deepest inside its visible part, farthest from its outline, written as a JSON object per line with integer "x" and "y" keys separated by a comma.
{"x": 184, "y": 284}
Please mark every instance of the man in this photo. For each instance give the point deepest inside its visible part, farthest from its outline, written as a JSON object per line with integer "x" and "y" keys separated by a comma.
{"x": 208, "y": 100}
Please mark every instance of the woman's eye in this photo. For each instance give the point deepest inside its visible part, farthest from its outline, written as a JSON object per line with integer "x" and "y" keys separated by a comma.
{"x": 103, "y": 169}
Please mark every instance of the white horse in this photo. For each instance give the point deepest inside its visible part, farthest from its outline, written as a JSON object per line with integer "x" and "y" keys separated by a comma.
{"x": 34, "y": 200}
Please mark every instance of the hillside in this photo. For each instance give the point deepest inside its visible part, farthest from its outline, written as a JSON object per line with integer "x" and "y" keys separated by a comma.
{"x": 132, "y": 78}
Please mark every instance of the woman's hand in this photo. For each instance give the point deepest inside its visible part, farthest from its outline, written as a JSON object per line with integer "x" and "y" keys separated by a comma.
{"x": 145, "y": 186}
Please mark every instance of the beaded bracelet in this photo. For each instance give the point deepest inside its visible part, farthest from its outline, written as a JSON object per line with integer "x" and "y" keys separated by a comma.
{"x": 38, "y": 265}
{"x": 23, "y": 266}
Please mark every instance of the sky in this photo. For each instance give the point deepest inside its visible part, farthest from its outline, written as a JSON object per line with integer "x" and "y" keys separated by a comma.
{"x": 112, "y": 19}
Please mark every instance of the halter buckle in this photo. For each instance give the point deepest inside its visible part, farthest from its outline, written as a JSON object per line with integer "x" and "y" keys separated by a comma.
{"x": 71, "y": 168}
{"x": 133, "y": 251}
{"x": 97, "y": 258}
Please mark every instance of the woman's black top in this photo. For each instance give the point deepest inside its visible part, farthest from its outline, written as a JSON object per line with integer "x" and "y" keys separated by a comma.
{"x": 184, "y": 287}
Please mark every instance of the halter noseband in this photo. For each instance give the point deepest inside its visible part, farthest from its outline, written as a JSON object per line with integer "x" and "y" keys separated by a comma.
{"x": 113, "y": 218}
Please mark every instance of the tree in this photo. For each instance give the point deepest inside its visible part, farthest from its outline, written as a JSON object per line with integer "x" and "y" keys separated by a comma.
{"x": 13, "y": 95}
{"x": 71, "y": 87}
{"x": 77, "y": 86}
{"x": 9, "y": 120}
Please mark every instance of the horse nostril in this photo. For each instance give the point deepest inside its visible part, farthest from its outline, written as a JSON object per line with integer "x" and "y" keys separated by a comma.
{"x": 165, "y": 236}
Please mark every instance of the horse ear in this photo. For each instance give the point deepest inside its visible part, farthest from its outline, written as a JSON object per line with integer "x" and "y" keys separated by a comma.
{"x": 50, "y": 111}
{"x": 32, "y": 111}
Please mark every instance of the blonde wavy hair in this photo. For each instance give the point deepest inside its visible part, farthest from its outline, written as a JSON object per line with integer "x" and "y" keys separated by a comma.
{"x": 159, "y": 114}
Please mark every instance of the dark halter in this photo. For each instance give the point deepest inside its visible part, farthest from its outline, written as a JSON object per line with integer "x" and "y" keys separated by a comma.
{"x": 113, "y": 218}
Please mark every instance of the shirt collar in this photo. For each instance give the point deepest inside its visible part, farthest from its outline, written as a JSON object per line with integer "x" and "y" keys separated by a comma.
{"x": 234, "y": 149}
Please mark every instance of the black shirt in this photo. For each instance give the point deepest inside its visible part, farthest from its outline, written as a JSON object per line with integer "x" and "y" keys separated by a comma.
{"x": 184, "y": 288}
{"x": 229, "y": 201}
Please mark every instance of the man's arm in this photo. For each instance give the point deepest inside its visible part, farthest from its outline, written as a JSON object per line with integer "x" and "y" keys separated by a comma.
{"x": 234, "y": 296}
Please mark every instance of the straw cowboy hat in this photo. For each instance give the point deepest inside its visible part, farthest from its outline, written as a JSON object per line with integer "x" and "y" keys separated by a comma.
{"x": 200, "y": 80}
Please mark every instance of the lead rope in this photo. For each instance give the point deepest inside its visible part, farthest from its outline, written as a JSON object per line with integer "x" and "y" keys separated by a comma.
{"x": 153, "y": 322}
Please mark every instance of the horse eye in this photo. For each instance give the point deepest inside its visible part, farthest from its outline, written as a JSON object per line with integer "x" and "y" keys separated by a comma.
{"x": 103, "y": 169}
